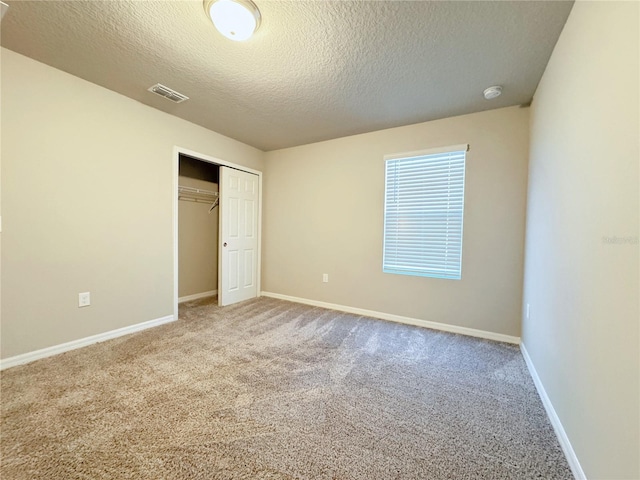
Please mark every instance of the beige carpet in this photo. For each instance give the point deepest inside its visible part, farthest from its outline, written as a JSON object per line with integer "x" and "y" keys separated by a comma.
{"x": 272, "y": 389}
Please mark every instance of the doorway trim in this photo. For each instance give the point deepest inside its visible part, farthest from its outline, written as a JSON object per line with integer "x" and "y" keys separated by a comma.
{"x": 177, "y": 150}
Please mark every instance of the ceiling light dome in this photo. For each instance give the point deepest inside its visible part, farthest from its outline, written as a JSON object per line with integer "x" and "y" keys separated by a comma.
{"x": 235, "y": 19}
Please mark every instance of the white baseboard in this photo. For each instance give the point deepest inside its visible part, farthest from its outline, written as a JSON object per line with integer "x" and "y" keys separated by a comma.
{"x": 197, "y": 296}
{"x": 567, "y": 448}
{"x": 472, "y": 332}
{"x": 82, "y": 342}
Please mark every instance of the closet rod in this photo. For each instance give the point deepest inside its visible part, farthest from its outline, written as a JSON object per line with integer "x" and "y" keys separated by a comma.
{"x": 195, "y": 200}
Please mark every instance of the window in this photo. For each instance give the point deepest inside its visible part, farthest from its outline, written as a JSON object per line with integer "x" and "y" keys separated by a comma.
{"x": 423, "y": 211}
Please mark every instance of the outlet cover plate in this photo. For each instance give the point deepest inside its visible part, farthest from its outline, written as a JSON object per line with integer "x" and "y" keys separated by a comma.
{"x": 84, "y": 299}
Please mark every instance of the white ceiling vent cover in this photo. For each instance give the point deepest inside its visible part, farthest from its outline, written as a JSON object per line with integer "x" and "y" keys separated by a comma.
{"x": 168, "y": 93}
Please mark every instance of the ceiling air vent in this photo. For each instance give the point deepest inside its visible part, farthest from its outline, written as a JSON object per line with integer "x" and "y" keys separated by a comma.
{"x": 167, "y": 93}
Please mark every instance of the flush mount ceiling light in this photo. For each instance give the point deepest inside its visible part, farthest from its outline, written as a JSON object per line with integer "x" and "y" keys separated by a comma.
{"x": 492, "y": 92}
{"x": 235, "y": 19}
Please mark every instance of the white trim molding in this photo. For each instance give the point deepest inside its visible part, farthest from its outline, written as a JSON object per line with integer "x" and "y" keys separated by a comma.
{"x": 430, "y": 151}
{"x": 472, "y": 332}
{"x": 82, "y": 342}
{"x": 565, "y": 444}
{"x": 197, "y": 296}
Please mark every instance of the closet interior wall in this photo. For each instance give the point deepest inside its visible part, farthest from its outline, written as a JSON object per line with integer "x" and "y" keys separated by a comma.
{"x": 197, "y": 231}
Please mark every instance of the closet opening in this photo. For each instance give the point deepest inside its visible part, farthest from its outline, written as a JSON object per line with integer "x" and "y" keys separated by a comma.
{"x": 198, "y": 218}
{"x": 217, "y": 229}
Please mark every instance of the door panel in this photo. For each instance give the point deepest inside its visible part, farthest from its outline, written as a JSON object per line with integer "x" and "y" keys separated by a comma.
{"x": 249, "y": 261}
{"x": 234, "y": 217}
{"x": 233, "y": 269}
{"x": 249, "y": 215}
{"x": 238, "y": 238}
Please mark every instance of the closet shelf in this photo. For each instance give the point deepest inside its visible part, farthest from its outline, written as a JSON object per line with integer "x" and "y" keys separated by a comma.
{"x": 196, "y": 192}
{"x": 198, "y": 195}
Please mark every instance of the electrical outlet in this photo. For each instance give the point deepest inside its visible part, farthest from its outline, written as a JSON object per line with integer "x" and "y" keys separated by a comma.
{"x": 84, "y": 299}
{"x": 325, "y": 277}
{"x": 528, "y": 311}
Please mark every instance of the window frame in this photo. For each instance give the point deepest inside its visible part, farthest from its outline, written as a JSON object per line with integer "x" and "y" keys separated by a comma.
{"x": 429, "y": 271}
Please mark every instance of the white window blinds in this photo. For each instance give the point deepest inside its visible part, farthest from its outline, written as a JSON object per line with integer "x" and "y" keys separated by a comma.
{"x": 423, "y": 213}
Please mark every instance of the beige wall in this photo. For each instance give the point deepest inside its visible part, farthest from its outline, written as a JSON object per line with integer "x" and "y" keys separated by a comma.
{"x": 582, "y": 334}
{"x": 323, "y": 213}
{"x": 197, "y": 242}
{"x": 87, "y": 205}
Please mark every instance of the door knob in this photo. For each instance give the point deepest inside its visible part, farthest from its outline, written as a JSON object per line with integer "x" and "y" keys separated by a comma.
{"x": 224, "y": 244}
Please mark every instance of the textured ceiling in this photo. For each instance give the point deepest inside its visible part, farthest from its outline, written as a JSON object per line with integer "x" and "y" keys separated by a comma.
{"x": 315, "y": 70}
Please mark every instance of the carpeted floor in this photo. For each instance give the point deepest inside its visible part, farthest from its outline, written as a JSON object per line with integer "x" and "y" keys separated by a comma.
{"x": 268, "y": 389}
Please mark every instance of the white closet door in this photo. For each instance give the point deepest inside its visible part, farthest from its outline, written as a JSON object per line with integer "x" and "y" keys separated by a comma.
{"x": 238, "y": 267}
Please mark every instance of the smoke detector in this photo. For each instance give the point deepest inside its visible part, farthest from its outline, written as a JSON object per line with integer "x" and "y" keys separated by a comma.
{"x": 168, "y": 93}
{"x": 492, "y": 92}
